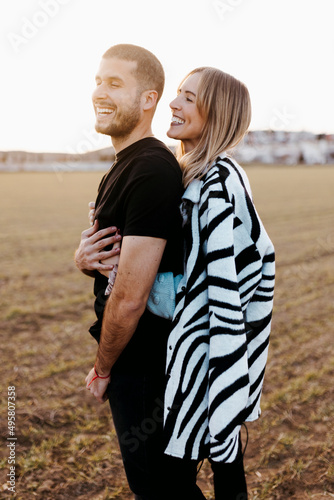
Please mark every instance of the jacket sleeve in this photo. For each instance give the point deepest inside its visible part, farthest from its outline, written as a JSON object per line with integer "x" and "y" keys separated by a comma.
{"x": 228, "y": 365}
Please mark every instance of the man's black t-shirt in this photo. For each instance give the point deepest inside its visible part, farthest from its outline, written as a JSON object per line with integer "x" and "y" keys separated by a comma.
{"x": 140, "y": 195}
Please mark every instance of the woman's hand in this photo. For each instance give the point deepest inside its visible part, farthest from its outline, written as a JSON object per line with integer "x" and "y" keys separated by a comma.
{"x": 90, "y": 254}
{"x": 91, "y": 213}
{"x": 111, "y": 260}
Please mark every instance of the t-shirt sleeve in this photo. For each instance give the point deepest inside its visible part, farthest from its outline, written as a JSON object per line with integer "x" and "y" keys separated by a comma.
{"x": 152, "y": 199}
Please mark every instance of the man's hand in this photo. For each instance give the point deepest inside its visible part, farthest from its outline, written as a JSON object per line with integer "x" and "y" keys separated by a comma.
{"x": 97, "y": 386}
{"x": 91, "y": 252}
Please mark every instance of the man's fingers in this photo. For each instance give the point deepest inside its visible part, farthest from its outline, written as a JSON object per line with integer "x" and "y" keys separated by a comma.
{"x": 96, "y": 394}
{"x": 102, "y": 399}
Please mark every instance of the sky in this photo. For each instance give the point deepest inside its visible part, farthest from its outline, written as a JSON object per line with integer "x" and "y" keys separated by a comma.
{"x": 283, "y": 50}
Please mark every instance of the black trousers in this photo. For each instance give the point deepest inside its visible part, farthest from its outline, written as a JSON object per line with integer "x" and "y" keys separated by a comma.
{"x": 136, "y": 403}
{"x": 229, "y": 479}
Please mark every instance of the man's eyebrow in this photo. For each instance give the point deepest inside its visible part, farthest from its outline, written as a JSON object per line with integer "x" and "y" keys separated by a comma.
{"x": 110, "y": 78}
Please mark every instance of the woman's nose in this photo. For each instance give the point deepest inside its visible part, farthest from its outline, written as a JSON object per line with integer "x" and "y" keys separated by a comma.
{"x": 175, "y": 104}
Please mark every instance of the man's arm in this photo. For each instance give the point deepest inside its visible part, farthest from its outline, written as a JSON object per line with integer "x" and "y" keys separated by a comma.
{"x": 138, "y": 266}
{"x": 90, "y": 254}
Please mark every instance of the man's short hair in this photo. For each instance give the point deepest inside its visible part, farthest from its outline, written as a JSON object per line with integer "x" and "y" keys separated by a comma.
{"x": 149, "y": 72}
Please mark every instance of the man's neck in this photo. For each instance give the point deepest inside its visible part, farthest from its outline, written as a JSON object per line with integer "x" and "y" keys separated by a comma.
{"x": 120, "y": 143}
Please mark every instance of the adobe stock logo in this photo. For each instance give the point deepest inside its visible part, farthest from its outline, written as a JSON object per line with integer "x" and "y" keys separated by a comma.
{"x": 31, "y": 27}
{"x": 148, "y": 426}
{"x": 132, "y": 438}
{"x": 281, "y": 119}
{"x": 223, "y": 8}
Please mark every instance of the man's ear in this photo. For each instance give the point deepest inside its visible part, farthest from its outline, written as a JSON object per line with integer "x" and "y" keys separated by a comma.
{"x": 150, "y": 98}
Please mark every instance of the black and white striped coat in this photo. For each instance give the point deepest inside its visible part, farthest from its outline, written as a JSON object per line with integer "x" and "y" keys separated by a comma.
{"x": 217, "y": 349}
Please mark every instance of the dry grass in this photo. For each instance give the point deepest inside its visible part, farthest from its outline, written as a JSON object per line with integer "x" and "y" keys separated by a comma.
{"x": 67, "y": 446}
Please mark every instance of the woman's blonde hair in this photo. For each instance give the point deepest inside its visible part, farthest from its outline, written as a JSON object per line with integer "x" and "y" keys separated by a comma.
{"x": 224, "y": 104}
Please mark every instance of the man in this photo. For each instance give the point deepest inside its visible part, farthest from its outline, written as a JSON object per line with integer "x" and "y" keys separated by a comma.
{"x": 140, "y": 195}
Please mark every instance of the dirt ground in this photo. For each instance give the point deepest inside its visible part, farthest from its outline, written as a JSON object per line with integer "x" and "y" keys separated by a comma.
{"x": 65, "y": 445}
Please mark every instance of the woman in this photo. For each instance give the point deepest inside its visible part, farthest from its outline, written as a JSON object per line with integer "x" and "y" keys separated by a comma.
{"x": 217, "y": 349}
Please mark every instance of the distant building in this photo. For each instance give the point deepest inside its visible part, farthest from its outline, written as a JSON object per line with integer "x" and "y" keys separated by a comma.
{"x": 259, "y": 146}
{"x": 289, "y": 148}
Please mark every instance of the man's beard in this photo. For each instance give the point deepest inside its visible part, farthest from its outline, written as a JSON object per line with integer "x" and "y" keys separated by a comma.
{"x": 125, "y": 122}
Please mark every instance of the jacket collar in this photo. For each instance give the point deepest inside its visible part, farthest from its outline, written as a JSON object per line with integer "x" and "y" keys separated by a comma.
{"x": 193, "y": 191}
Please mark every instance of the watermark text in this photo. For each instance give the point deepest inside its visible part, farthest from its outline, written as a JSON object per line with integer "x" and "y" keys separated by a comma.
{"x": 11, "y": 445}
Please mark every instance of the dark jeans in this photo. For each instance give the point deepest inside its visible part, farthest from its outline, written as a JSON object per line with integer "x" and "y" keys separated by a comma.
{"x": 136, "y": 402}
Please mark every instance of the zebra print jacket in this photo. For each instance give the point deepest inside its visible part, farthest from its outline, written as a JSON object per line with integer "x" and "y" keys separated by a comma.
{"x": 217, "y": 349}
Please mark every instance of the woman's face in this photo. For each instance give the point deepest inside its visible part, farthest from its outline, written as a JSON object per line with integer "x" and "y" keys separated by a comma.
{"x": 187, "y": 123}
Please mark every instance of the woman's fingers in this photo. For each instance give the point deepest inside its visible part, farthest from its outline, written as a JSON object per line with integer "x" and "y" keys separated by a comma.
{"x": 110, "y": 253}
{"x": 88, "y": 233}
{"x": 91, "y": 217}
{"x": 101, "y": 235}
{"x": 103, "y": 243}
{"x": 91, "y": 214}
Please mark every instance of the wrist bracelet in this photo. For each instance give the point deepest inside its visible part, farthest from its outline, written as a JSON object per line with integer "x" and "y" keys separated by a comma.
{"x": 96, "y": 376}
{"x": 99, "y": 376}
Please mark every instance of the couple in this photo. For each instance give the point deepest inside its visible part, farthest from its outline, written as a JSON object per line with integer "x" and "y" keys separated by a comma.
{"x": 178, "y": 391}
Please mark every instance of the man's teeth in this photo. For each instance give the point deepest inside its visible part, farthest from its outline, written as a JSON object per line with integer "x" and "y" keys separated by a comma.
{"x": 104, "y": 110}
{"x": 175, "y": 119}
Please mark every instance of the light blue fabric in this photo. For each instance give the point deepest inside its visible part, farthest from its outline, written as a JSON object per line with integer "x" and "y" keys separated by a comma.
{"x": 161, "y": 301}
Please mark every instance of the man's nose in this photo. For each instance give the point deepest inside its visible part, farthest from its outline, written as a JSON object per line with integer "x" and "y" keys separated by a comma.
{"x": 100, "y": 92}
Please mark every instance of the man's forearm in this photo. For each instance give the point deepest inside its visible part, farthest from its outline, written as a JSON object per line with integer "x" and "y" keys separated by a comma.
{"x": 137, "y": 269}
{"x": 120, "y": 321}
